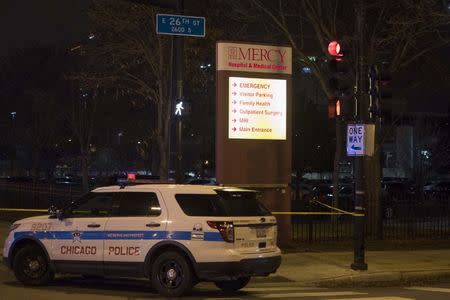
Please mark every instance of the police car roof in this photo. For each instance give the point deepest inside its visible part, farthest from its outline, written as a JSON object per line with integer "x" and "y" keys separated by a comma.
{"x": 173, "y": 188}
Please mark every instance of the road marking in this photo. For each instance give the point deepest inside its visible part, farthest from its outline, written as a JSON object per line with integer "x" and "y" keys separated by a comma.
{"x": 281, "y": 289}
{"x": 377, "y": 298}
{"x": 428, "y": 289}
{"x": 222, "y": 298}
{"x": 311, "y": 294}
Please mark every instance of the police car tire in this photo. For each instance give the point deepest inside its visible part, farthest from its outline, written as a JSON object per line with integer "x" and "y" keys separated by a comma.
{"x": 232, "y": 285}
{"x": 174, "y": 264}
{"x": 35, "y": 257}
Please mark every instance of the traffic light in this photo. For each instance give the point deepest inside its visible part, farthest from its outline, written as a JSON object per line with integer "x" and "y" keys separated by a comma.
{"x": 181, "y": 108}
{"x": 341, "y": 82}
{"x": 379, "y": 87}
{"x": 334, "y": 107}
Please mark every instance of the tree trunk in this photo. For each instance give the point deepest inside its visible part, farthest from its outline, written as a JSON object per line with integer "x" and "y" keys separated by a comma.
{"x": 85, "y": 169}
{"x": 35, "y": 164}
{"x": 337, "y": 159}
{"x": 163, "y": 135}
{"x": 163, "y": 146}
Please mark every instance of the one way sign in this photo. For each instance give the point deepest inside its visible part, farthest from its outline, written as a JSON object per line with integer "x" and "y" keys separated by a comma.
{"x": 360, "y": 139}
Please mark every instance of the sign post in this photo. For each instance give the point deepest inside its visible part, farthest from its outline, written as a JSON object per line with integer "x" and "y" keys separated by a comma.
{"x": 360, "y": 143}
{"x": 253, "y": 117}
{"x": 179, "y": 26}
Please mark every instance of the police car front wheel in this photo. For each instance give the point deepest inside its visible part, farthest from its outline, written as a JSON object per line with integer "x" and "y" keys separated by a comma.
{"x": 31, "y": 266}
{"x": 172, "y": 274}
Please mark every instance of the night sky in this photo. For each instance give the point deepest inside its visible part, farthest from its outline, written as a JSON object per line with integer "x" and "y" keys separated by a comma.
{"x": 25, "y": 23}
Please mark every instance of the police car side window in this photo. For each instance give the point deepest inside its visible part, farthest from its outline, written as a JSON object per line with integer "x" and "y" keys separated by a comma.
{"x": 200, "y": 204}
{"x": 93, "y": 205}
{"x": 134, "y": 204}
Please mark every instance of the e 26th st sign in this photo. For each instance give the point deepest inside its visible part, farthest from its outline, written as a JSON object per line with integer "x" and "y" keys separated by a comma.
{"x": 180, "y": 25}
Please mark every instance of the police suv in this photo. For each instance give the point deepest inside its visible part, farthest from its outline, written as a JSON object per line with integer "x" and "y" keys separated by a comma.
{"x": 177, "y": 235}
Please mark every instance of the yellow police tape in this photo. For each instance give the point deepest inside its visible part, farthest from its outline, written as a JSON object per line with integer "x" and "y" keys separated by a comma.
{"x": 23, "y": 209}
{"x": 337, "y": 211}
{"x": 305, "y": 213}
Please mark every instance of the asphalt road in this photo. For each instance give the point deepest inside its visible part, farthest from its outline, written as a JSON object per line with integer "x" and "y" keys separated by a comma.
{"x": 74, "y": 287}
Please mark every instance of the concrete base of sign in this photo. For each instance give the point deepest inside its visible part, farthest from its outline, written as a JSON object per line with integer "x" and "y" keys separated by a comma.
{"x": 277, "y": 198}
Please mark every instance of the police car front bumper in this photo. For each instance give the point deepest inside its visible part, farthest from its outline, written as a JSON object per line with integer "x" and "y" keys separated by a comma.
{"x": 232, "y": 270}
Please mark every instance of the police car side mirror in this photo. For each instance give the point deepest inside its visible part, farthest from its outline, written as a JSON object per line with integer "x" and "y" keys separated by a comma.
{"x": 55, "y": 213}
{"x": 60, "y": 214}
{"x": 52, "y": 211}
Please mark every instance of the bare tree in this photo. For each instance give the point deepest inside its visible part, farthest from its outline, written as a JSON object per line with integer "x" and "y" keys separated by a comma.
{"x": 32, "y": 85}
{"x": 132, "y": 59}
{"x": 43, "y": 130}
{"x": 398, "y": 32}
{"x": 427, "y": 153}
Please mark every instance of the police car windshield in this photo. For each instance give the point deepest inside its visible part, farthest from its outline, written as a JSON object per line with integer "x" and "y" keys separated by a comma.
{"x": 224, "y": 203}
{"x": 83, "y": 199}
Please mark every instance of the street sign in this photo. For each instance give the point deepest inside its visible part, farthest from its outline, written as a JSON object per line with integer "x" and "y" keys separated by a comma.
{"x": 257, "y": 108}
{"x": 180, "y": 25}
{"x": 355, "y": 139}
{"x": 360, "y": 139}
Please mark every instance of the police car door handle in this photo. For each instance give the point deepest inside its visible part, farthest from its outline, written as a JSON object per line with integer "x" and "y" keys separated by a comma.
{"x": 153, "y": 224}
{"x": 93, "y": 225}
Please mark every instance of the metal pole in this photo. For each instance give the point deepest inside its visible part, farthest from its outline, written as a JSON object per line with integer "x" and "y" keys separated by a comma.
{"x": 359, "y": 222}
{"x": 178, "y": 43}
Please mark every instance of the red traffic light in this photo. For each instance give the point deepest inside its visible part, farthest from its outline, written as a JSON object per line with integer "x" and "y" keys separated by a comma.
{"x": 334, "y": 49}
{"x": 334, "y": 107}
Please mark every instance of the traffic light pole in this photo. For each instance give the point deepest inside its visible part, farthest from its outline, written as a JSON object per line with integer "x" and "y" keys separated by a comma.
{"x": 360, "y": 116}
{"x": 178, "y": 66}
{"x": 178, "y": 45}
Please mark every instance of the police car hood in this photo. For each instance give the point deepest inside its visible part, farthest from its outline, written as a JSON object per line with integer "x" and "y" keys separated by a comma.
{"x": 31, "y": 219}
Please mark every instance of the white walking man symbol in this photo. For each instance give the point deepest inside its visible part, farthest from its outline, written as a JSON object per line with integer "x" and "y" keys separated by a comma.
{"x": 179, "y": 108}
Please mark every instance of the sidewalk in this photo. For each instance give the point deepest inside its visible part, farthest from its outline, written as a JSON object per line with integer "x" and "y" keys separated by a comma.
{"x": 385, "y": 268}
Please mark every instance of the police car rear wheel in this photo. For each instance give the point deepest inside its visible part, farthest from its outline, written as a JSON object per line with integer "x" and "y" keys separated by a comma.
{"x": 31, "y": 266}
{"x": 232, "y": 285}
{"x": 171, "y": 274}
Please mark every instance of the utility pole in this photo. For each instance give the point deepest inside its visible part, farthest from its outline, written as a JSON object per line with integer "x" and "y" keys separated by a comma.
{"x": 360, "y": 117}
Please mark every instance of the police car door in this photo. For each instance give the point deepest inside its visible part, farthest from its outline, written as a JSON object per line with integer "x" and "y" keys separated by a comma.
{"x": 77, "y": 245}
{"x": 137, "y": 223}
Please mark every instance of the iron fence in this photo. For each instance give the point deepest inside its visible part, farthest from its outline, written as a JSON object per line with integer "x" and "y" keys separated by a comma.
{"x": 36, "y": 195}
{"x": 401, "y": 216}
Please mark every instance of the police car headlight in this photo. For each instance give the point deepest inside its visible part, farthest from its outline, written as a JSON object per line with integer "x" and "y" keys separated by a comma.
{"x": 14, "y": 226}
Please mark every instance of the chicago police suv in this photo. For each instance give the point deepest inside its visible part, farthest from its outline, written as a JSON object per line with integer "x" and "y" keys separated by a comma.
{"x": 177, "y": 235}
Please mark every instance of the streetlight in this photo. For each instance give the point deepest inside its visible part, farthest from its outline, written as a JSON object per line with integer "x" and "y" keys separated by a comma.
{"x": 13, "y": 115}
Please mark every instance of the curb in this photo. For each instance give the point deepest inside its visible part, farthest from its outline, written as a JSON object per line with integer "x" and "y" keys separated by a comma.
{"x": 385, "y": 279}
